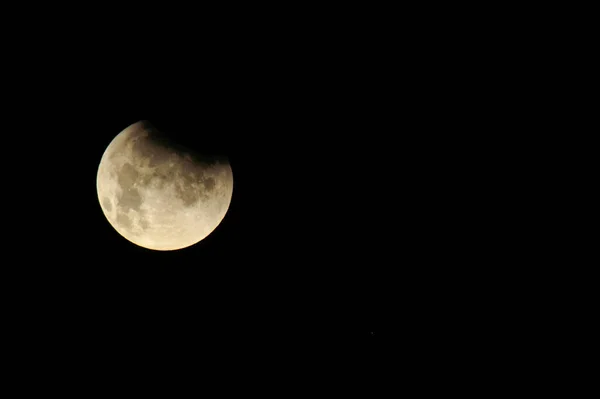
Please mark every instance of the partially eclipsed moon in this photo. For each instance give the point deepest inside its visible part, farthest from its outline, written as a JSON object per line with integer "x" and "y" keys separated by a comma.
{"x": 159, "y": 195}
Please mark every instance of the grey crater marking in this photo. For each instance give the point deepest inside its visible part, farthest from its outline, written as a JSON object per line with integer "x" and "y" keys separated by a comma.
{"x": 107, "y": 204}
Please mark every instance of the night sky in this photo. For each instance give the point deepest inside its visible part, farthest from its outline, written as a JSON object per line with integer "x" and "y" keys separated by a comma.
{"x": 384, "y": 206}
{"x": 354, "y": 164}
{"x": 298, "y": 264}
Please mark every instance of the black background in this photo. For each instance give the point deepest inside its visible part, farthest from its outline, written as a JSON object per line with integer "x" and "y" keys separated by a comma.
{"x": 362, "y": 199}
{"x": 295, "y": 269}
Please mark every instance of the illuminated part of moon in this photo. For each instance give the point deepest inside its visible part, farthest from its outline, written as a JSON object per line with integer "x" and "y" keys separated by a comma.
{"x": 158, "y": 194}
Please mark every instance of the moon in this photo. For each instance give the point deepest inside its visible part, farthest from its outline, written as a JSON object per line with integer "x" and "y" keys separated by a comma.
{"x": 158, "y": 194}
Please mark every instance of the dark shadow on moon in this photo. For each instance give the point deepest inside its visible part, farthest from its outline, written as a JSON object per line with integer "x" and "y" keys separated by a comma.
{"x": 201, "y": 151}
{"x": 172, "y": 162}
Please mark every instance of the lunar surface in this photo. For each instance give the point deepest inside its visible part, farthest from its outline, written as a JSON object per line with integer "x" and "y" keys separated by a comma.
{"x": 158, "y": 194}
